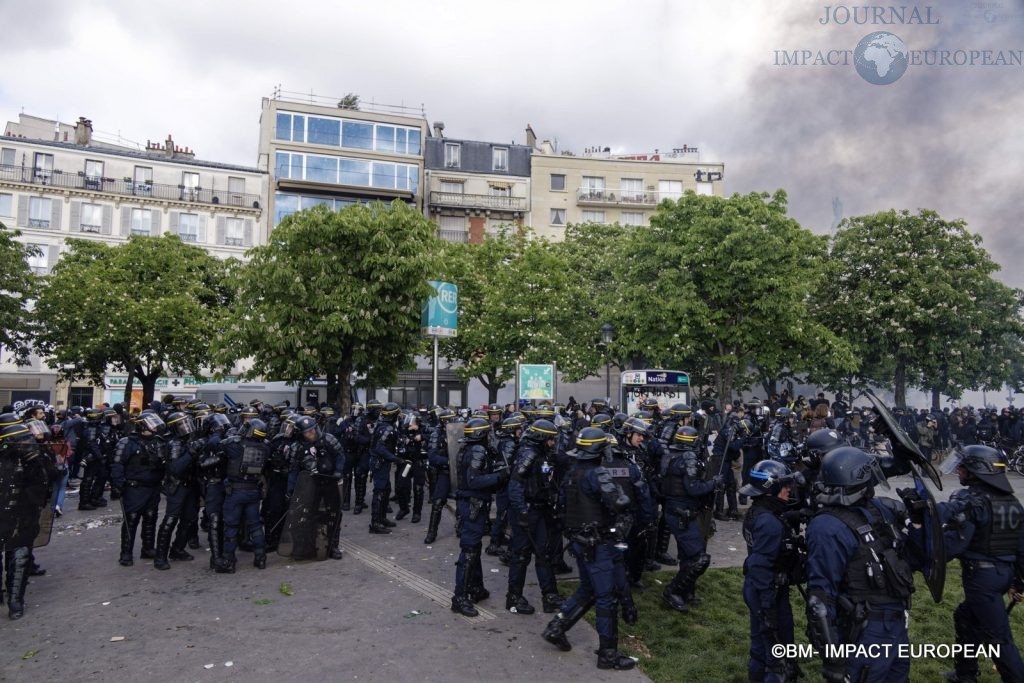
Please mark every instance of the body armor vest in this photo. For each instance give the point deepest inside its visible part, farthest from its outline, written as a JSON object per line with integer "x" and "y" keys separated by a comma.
{"x": 876, "y": 572}
{"x": 672, "y": 484}
{"x": 580, "y": 509}
{"x": 998, "y": 538}
{"x": 618, "y": 467}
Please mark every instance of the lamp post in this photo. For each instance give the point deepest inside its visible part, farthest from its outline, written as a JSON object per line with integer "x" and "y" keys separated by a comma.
{"x": 607, "y": 335}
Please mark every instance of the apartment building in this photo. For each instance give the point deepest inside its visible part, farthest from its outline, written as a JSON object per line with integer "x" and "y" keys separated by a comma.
{"x": 339, "y": 152}
{"x": 601, "y": 187}
{"x": 474, "y": 187}
{"x": 60, "y": 181}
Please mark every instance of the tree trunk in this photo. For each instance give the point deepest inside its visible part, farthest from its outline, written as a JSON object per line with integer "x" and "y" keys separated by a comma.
{"x": 148, "y": 383}
{"x": 936, "y": 397}
{"x": 128, "y": 385}
{"x": 344, "y": 385}
{"x": 900, "y": 384}
{"x": 725, "y": 374}
{"x": 332, "y": 389}
{"x": 492, "y": 389}
{"x": 771, "y": 387}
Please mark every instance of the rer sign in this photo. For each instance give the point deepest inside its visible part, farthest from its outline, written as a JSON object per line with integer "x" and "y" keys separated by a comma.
{"x": 440, "y": 315}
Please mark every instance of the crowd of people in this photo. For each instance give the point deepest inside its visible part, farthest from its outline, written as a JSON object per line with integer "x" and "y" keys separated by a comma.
{"x": 612, "y": 490}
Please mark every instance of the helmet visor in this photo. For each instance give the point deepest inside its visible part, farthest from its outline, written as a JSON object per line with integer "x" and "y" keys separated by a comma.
{"x": 38, "y": 428}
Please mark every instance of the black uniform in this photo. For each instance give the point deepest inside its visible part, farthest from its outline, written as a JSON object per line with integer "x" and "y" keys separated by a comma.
{"x": 137, "y": 472}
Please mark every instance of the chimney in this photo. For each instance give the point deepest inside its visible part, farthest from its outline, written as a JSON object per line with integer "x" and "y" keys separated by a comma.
{"x": 531, "y": 137}
{"x": 438, "y": 129}
{"x": 169, "y": 147}
{"x": 83, "y": 131}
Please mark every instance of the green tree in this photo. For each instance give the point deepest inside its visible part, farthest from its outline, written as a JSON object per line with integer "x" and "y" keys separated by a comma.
{"x": 333, "y": 293}
{"x": 148, "y": 307}
{"x": 19, "y": 286}
{"x": 916, "y": 295}
{"x": 723, "y": 284}
{"x": 519, "y": 301}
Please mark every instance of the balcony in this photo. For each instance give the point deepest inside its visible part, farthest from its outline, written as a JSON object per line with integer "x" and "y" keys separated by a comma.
{"x": 589, "y": 196}
{"x": 485, "y": 202}
{"x": 453, "y": 235}
{"x": 126, "y": 188}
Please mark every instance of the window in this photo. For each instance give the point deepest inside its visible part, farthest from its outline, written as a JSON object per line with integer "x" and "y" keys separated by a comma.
{"x": 355, "y": 172}
{"x": 188, "y": 227}
{"x": 236, "y": 185}
{"x": 234, "y": 232}
{"x": 452, "y": 228}
{"x": 357, "y": 135}
{"x": 632, "y": 189}
{"x": 452, "y": 155}
{"x": 39, "y": 263}
{"x": 383, "y": 175}
{"x": 6, "y": 205}
{"x": 499, "y": 191}
{"x": 7, "y": 156}
{"x": 500, "y": 158}
{"x": 322, "y": 169}
{"x": 632, "y": 217}
{"x": 386, "y": 139}
{"x": 284, "y": 205}
{"x": 557, "y": 216}
{"x": 414, "y": 142}
{"x": 93, "y": 169}
{"x": 452, "y": 187}
{"x": 92, "y": 218}
{"x": 324, "y": 131}
{"x": 705, "y": 188}
{"x": 80, "y": 396}
{"x": 593, "y": 216}
{"x": 40, "y": 211}
{"x": 670, "y": 189}
{"x": 142, "y": 222}
{"x": 190, "y": 185}
{"x": 143, "y": 178}
{"x": 592, "y": 186}
{"x": 558, "y": 182}
{"x": 43, "y": 165}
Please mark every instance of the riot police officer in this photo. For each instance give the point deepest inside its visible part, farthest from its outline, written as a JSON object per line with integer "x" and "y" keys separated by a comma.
{"x": 91, "y": 446}
{"x": 533, "y": 493}
{"x": 593, "y": 503}
{"x": 137, "y": 472}
{"x": 479, "y": 475}
{"x": 988, "y": 538}
{"x": 859, "y": 579}
{"x": 728, "y": 445}
{"x": 773, "y": 562}
{"x": 247, "y": 455}
{"x": 409, "y": 478}
{"x": 781, "y": 442}
{"x": 211, "y": 474}
{"x": 509, "y": 434}
{"x": 346, "y": 433}
{"x": 363, "y": 429}
{"x": 687, "y": 494}
{"x": 275, "y": 504}
{"x": 439, "y": 472}
{"x": 383, "y": 453}
{"x": 181, "y": 491}
{"x": 317, "y": 462}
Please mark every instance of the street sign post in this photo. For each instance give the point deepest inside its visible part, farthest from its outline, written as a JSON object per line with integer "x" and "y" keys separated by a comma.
{"x": 440, "y": 318}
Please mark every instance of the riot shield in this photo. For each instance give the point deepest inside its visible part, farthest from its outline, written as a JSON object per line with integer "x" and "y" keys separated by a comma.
{"x": 455, "y": 431}
{"x": 46, "y": 521}
{"x": 935, "y": 546}
{"x": 302, "y": 522}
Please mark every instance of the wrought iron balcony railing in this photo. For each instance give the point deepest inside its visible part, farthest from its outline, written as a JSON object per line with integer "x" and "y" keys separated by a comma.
{"x": 478, "y": 201}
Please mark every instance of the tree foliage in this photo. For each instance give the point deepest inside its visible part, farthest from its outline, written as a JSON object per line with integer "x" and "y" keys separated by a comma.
{"x": 149, "y": 306}
{"x": 19, "y": 286}
{"x": 334, "y": 293}
{"x": 915, "y": 295}
{"x": 519, "y": 301}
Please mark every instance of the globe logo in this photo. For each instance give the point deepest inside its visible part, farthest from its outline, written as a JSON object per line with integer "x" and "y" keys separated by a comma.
{"x": 880, "y": 58}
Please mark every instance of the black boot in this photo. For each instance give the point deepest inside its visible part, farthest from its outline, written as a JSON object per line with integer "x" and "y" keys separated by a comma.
{"x": 85, "y": 493}
{"x": 225, "y": 564}
{"x": 17, "y": 579}
{"x": 193, "y": 535}
{"x": 517, "y": 604}
{"x": 630, "y": 614}
{"x": 128, "y": 528}
{"x": 461, "y": 604}
{"x": 674, "y": 596}
{"x": 377, "y": 514}
{"x": 556, "y": 629}
{"x": 435, "y": 521}
{"x": 216, "y": 539}
{"x": 664, "y": 538}
{"x": 650, "y": 550}
{"x": 149, "y": 517}
{"x": 360, "y": 504}
{"x": 259, "y": 560}
{"x": 417, "y": 504}
{"x": 346, "y": 493}
{"x": 609, "y": 657}
{"x": 163, "y": 543}
{"x": 552, "y": 602}
{"x": 178, "y": 552}
{"x": 334, "y": 540}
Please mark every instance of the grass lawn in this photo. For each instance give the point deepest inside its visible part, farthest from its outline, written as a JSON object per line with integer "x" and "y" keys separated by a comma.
{"x": 709, "y": 644}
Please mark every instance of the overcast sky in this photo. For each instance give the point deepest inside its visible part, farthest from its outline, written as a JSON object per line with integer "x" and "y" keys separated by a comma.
{"x": 633, "y": 76}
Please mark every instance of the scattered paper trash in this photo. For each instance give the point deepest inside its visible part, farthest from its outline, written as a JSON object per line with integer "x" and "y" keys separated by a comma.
{"x": 207, "y": 666}
{"x": 30, "y": 654}
{"x": 116, "y": 639}
{"x": 413, "y": 614}
{"x": 732, "y": 549}
{"x": 494, "y": 571}
{"x": 229, "y": 663}
{"x": 106, "y": 603}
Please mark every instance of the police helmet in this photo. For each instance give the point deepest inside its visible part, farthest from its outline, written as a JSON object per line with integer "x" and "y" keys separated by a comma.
{"x": 618, "y": 419}
{"x": 634, "y": 425}
{"x": 602, "y": 420}
{"x": 17, "y": 437}
{"x": 598, "y": 404}
{"x": 848, "y": 475}
{"x": 389, "y": 412}
{"x": 494, "y": 409}
{"x": 784, "y": 413}
{"x": 766, "y": 477}
{"x": 983, "y": 462}
{"x": 147, "y": 421}
{"x": 679, "y": 410}
{"x": 444, "y": 415}
{"x": 254, "y": 429}
{"x": 357, "y": 409}
{"x": 476, "y": 429}
{"x": 215, "y": 422}
{"x": 373, "y": 407}
{"x": 819, "y": 443}
{"x": 180, "y": 423}
{"x": 479, "y": 412}
{"x": 685, "y": 438}
{"x": 8, "y": 419}
{"x": 307, "y": 428}
{"x": 112, "y": 417}
{"x": 310, "y": 409}
{"x": 650, "y": 404}
{"x": 511, "y": 423}
{"x": 540, "y": 431}
{"x": 545, "y": 411}
{"x": 591, "y": 443}
{"x": 94, "y": 414}
{"x": 248, "y": 412}
{"x": 644, "y": 415}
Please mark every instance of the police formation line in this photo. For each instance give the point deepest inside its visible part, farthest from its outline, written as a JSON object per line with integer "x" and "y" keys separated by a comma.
{"x": 611, "y": 490}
